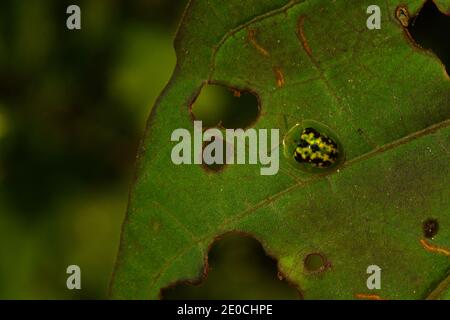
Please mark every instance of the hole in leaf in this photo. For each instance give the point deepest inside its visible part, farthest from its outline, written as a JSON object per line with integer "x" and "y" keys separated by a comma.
{"x": 219, "y": 106}
{"x": 430, "y": 29}
{"x": 430, "y": 228}
{"x": 238, "y": 269}
{"x": 215, "y": 167}
{"x": 315, "y": 263}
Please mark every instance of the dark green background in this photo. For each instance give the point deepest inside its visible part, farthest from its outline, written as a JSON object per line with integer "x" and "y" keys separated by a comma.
{"x": 73, "y": 106}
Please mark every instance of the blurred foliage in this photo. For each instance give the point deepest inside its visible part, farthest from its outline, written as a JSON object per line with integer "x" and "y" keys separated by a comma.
{"x": 73, "y": 105}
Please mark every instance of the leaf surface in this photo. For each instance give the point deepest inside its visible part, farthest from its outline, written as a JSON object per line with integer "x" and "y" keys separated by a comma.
{"x": 387, "y": 101}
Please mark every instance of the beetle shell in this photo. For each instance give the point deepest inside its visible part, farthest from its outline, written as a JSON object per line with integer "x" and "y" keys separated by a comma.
{"x": 316, "y": 149}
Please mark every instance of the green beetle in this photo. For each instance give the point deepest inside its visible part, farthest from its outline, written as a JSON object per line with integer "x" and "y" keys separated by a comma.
{"x": 316, "y": 149}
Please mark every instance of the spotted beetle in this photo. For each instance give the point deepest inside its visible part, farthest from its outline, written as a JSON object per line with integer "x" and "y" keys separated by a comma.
{"x": 316, "y": 149}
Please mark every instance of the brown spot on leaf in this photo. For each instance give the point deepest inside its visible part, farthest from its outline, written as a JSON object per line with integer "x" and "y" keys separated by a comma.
{"x": 279, "y": 77}
{"x": 430, "y": 228}
{"x": 402, "y": 15}
{"x": 156, "y": 227}
{"x": 363, "y": 296}
{"x": 236, "y": 93}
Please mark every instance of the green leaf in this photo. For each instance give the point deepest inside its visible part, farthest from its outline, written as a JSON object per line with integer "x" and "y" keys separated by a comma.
{"x": 387, "y": 101}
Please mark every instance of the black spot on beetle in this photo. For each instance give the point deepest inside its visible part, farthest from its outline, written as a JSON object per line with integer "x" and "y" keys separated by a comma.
{"x": 303, "y": 144}
{"x": 315, "y": 148}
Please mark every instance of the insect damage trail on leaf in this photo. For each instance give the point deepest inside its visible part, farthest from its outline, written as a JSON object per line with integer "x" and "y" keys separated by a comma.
{"x": 256, "y": 45}
{"x": 279, "y": 76}
{"x": 433, "y": 248}
{"x": 302, "y": 36}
